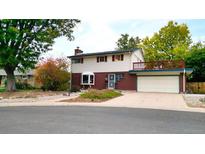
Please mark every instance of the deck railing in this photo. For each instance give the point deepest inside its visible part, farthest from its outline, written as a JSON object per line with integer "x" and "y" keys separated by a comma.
{"x": 158, "y": 65}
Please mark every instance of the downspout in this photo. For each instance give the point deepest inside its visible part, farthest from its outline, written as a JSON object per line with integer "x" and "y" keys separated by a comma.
{"x": 70, "y": 78}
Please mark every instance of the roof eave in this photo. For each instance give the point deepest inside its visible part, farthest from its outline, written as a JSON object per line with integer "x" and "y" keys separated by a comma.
{"x": 103, "y": 53}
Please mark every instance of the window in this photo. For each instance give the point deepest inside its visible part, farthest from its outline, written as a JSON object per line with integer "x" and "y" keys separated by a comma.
{"x": 77, "y": 61}
{"x": 102, "y": 59}
{"x": 117, "y": 57}
{"x": 91, "y": 79}
{"x": 119, "y": 76}
{"x": 87, "y": 79}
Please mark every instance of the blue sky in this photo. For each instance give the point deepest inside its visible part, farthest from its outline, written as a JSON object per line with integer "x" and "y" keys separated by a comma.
{"x": 101, "y": 35}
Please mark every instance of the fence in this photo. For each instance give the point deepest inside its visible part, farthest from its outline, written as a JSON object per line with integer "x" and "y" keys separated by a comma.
{"x": 196, "y": 87}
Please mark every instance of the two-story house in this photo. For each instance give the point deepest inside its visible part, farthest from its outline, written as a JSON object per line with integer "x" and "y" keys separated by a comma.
{"x": 126, "y": 70}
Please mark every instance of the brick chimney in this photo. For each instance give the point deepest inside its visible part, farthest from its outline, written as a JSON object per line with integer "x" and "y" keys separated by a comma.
{"x": 78, "y": 51}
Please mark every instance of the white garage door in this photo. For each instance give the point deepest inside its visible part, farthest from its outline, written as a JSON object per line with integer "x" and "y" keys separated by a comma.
{"x": 168, "y": 84}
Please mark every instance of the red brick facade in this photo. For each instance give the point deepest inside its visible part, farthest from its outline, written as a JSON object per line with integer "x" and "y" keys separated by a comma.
{"x": 128, "y": 82}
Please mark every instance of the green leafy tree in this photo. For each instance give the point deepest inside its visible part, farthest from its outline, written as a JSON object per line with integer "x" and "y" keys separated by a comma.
{"x": 197, "y": 46}
{"x": 196, "y": 60}
{"x": 125, "y": 42}
{"x": 22, "y": 42}
{"x": 170, "y": 43}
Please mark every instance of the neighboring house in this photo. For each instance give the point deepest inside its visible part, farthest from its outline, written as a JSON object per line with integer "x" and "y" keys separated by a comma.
{"x": 126, "y": 70}
{"x": 20, "y": 77}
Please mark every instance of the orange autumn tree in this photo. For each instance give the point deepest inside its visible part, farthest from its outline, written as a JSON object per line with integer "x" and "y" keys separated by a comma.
{"x": 53, "y": 74}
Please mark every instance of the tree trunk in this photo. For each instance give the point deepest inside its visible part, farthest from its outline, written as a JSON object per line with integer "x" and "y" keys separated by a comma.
{"x": 10, "y": 85}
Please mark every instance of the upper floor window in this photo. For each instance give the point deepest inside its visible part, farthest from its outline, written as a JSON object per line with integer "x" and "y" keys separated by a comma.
{"x": 102, "y": 59}
{"x": 77, "y": 60}
{"x": 118, "y": 57}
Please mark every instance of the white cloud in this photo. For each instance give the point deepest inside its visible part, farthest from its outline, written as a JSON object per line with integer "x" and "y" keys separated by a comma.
{"x": 100, "y": 37}
{"x": 90, "y": 36}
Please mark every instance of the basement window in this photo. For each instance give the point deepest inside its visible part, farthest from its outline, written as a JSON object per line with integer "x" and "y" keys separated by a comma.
{"x": 87, "y": 78}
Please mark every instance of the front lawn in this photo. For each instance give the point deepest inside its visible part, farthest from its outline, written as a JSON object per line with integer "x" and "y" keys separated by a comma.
{"x": 2, "y": 89}
{"x": 29, "y": 94}
{"x": 93, "y": 95}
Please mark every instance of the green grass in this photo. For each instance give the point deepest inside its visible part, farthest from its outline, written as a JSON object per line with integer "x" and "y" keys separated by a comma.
{"x": 2, "y": 89}
{"x": 105, "y": 94}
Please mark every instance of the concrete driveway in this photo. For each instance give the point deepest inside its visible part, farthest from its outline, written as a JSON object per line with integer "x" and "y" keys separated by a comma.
{"x": 164, "y": 101}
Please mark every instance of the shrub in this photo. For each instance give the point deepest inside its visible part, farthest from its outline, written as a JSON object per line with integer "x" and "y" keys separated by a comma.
{"x": 75, "y": 89}
{"x": 21, "y": 85}
{"x": 52, "y": 74}
{"x": 5, "y": 82}
{"x": 100, "y": 94}
{"x": 24, "y": 86}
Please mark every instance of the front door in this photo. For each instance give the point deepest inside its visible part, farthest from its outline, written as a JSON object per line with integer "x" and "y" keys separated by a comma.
{"x": 111, "y": 81}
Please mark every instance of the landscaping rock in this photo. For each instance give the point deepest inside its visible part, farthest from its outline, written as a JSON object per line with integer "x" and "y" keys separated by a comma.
{"x": 194, "y": 100}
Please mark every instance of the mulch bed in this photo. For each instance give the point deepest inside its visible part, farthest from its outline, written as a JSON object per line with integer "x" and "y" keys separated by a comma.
{"x": 84, "y": 100}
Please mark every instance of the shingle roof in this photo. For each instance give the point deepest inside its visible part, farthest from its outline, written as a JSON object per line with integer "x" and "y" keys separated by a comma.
{"x": 30, "y": 72}
{"x": 102, "y": 53}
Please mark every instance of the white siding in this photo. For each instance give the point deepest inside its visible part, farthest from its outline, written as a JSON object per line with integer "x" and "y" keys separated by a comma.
{"x": 90, "y": 64}
{"x": 136, "y": 57}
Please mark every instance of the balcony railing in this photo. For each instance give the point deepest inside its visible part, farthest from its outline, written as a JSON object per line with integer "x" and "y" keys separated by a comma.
{"x": 158, "y": 65}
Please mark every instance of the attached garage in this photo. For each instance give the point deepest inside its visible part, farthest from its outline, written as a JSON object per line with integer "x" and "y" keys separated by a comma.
{"x": 168, "y": 84}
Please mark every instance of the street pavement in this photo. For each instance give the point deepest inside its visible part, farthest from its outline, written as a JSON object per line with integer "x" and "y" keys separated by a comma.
{"x": 91, "y": 120}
